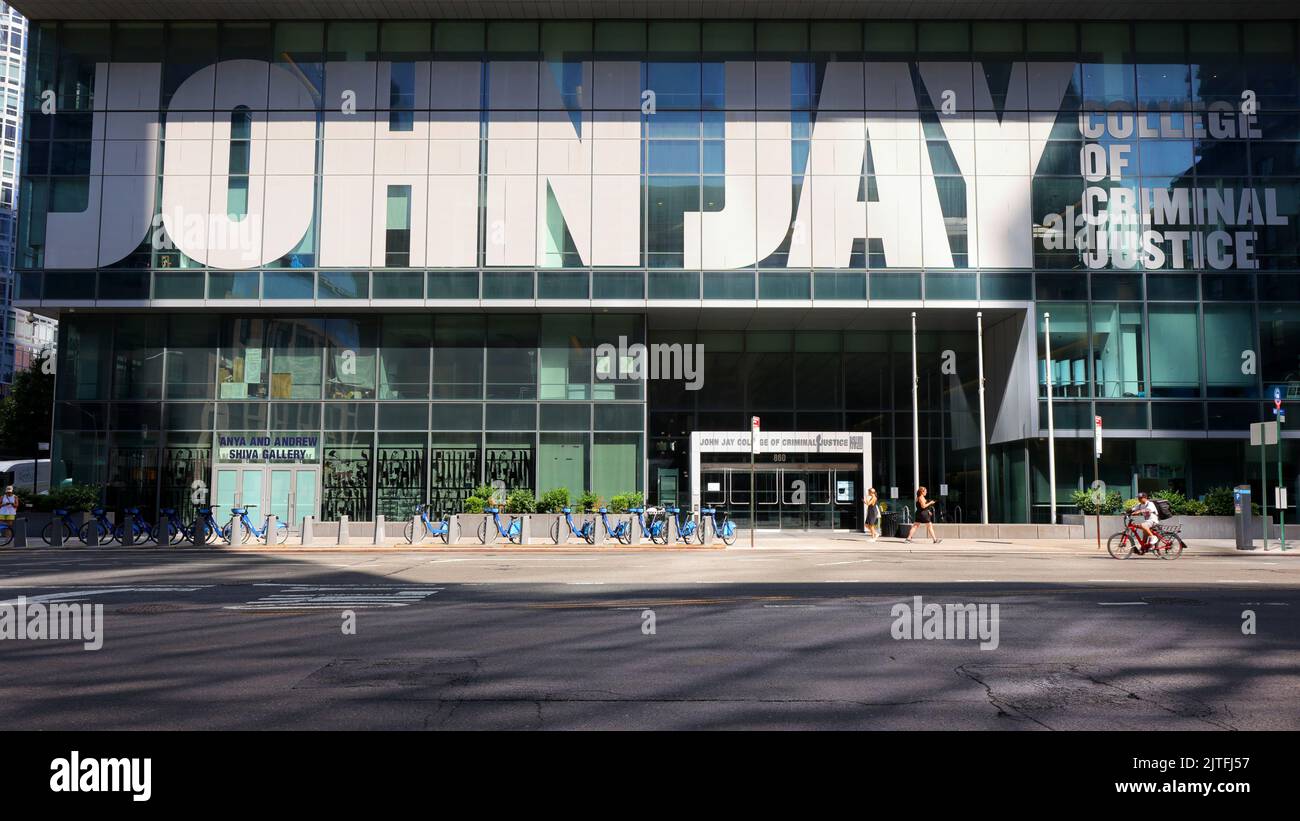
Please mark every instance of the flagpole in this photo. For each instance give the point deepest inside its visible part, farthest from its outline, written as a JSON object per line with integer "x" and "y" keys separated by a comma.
{"x": 916, "y": 416}
{"x": 1051, "y": 421}
{"x": 984, "y": 454}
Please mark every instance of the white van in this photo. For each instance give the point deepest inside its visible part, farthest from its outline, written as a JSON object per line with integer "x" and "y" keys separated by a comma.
{"x": 19, "y": 474}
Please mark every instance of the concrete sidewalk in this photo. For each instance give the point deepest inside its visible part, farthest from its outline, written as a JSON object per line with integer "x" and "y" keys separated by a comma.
{"x": 774, "y": 542}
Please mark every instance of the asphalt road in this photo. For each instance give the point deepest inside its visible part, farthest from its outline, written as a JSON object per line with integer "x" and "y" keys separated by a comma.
{"x": 741, "y": 639}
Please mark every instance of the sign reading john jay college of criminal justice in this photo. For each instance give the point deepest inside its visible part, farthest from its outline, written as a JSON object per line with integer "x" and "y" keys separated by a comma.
{"x": 552, "y": 161}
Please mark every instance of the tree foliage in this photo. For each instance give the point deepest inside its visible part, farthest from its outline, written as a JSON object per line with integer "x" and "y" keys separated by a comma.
{"x": 25, "y": 414}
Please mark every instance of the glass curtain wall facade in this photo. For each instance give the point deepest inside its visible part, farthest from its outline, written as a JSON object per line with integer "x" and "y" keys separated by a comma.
{"x": 467, "y": 208}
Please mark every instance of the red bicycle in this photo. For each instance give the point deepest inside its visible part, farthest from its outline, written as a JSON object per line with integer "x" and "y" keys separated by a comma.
{"x": 1168, "y": 543}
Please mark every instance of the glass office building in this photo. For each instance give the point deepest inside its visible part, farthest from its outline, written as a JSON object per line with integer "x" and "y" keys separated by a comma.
{"x": 344, "y": 266}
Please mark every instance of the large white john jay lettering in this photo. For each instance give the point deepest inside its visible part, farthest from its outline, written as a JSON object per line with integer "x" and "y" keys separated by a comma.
{"x": 561, "y": 169}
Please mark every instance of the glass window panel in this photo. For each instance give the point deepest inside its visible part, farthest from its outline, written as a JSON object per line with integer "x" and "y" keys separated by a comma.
{"x": 1118, "y": 350}
{"x": 453, "y": 285}
{"x": 511, "y": 416}
{"x": 1229, "y": 347}
{"x": 349, "y": 416}
{"x": 565, "y": 417}
{"x": 351, "y": 364}
{"x": 512, "y": 357}
{"x": 403, "y": 416}
{"x": 615, "y": 464}
{"x": 1176, "y": 352}
{"x": 457, "y": 416}
{"x": 297, "y": 348}
{"x": 404, "y": 357}
{"x": 458, "y": 357}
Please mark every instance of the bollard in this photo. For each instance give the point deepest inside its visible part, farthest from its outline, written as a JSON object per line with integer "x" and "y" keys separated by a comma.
{"x": 56, "y": 533}
{"x": 343, "y": 529}
{"x": 93, "y": 533}
{"x": 307, "y": 535}
{"x": 380, "y": 536}
{"x": 197, "y": 530}
{"x": 20, "y": 532}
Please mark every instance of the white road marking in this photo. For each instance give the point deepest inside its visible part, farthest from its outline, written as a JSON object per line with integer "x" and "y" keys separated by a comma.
{"x": 855, "y": 561}
{"x": 1239, "y": 581}
{"x": 73, "y": 595}
{"x": 1122, "y": 603}
{"x": 324, "y": 597}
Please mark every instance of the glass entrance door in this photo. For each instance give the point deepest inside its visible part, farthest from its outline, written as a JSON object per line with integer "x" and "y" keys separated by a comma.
{"x": 288, "y": 491}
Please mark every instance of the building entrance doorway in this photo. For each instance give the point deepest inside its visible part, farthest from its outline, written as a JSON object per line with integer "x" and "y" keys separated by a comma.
{"x": 288, "y": 491}
{"x": 810, "y": 496}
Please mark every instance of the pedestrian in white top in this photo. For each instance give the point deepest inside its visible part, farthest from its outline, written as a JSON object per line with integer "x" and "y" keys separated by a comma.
{"x": 9, "y": 504}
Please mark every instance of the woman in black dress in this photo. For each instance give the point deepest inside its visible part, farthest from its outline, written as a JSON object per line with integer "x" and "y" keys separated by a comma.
{"x": 872, "y": 501}
{"x": 924, "y": 516}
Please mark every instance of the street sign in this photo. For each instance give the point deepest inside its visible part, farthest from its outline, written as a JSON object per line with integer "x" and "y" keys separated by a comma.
{"x": 42, "y": 445}
{"x": 1096, "y": 435}
{"x": 754, "y": 427}
{"x": 943, "y": 490}
{"x": 1263, "y": 433}
{"x": 1279, "y": 498}
{"x": 893, "y": 492}
{"x": 1277, "y": 398}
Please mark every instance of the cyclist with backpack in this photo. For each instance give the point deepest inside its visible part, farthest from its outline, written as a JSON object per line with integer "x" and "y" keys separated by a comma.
{"x": 1147, "y": 510}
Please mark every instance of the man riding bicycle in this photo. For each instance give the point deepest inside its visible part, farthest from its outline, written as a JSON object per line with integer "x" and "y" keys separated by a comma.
{"x": 1147, "y": 510}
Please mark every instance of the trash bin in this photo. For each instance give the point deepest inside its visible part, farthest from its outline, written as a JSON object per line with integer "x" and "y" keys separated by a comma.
{"x": 889, "y": 524}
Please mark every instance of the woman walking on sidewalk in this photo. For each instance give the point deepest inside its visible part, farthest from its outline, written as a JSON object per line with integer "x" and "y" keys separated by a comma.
{"x": 924, "y": 516}
{"x": 872, "y": 519}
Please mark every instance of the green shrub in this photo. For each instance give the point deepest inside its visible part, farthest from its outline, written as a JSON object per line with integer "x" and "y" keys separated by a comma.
{"x": 70, "y": 497}
{"x": 1194, "y": 507}
{"x": 1219, "y": 502}
{"x": 521, "y": 501}
{"x": 588, "y": 501}
{"x": 553, "y": 501}
{"x": 1111, "y": 505}
{"x": 485, "y": 492}
{"x": 623, "y": 502}
{"x": 473, "y": 504}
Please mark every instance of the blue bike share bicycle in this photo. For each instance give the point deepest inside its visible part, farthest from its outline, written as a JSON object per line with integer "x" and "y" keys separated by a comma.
{"x": 655, "y": 529}
{"x": 587, "y": 532}
{"x": 685, "y": 530}
{"x": 206, "y": 526}
{"x": 621, "y": 532}
{"x": 64, "y": 519}
{"x": 723, "y": 527}
{"x": 100, "y": 528}
{"x": 139, "y": 530}
{"x": 512, "y": 532}
{"x": 439, "y": 528}
{"x": 239, "y": 520}
{"x": 169, "y": 530}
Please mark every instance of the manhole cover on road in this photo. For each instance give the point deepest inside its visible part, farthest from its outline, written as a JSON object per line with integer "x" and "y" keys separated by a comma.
{"x": 1172, "y": 600}
{"x": 402, "y": 672}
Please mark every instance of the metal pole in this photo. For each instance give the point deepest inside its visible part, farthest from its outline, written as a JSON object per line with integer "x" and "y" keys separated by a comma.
{"x": 753, "y": 490}
{"x": 916, "y": 416}
{"x": 984, "y": 454}
{"x": 1051, "y": 421}
{"x": 1263, "y": 486}
{"x": 1281, "y": 511}
{"x": 1096, "y": 483}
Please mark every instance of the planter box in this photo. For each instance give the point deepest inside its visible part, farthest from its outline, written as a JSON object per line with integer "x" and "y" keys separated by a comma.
{"x": 1194, "y": 527}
